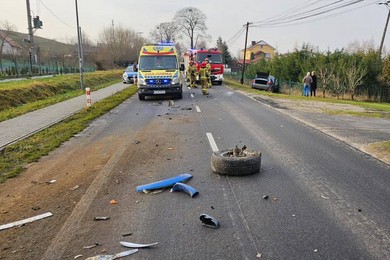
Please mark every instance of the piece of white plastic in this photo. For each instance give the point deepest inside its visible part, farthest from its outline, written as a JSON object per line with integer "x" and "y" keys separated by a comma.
{"x": 134, "y": 245}
{"x": 25, "y": 221}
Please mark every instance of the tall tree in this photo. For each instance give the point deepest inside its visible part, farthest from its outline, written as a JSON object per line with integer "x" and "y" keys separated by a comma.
{"x": 164, "y": 32}
{"x": 191, "y": 23}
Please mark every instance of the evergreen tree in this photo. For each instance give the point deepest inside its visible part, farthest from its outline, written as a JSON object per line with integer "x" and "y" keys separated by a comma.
{"x": 222, "y": 46}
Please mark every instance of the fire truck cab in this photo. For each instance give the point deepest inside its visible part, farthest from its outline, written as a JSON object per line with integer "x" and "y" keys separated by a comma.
{"x": 215, "y": 60}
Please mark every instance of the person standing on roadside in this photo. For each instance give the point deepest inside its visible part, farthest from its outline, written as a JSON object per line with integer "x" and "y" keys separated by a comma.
{"x": 307, "y": 80}
{"x": 313, "y": 85}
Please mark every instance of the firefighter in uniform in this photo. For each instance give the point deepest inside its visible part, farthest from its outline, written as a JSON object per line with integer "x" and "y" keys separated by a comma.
{"x": 203, "y": 78}
{"x": 191, "y": 72}
{"x": 208, "y": 71}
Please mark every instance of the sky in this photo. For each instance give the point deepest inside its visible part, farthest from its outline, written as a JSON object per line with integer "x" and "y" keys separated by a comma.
{"x": 284, "y": 24}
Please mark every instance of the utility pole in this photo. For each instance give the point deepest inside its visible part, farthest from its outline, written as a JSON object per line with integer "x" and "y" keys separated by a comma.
{"x": 243, "y": 65}
{"x": 384, "y": 31}
{"x": 80, "y": 49}
{"x": 30, "y": 39}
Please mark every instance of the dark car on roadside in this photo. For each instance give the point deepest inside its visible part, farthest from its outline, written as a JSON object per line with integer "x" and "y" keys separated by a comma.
{"x": 130, "y": 75}
{"x": 265, "y": 81}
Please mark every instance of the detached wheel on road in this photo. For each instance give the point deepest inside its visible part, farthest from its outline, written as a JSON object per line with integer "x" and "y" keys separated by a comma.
{"x": 222, "y": 162}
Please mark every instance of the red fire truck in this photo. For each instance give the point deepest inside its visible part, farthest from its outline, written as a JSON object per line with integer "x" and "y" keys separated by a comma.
{"x": 215, "y": 59}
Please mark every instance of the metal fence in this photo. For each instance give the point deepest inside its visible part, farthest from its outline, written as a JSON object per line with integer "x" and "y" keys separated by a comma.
{"x": 14, "y": 70}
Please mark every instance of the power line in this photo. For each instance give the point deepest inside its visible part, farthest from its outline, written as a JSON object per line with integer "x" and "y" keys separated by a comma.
{"x": 291, "y": 23}
{"x": 288, "y": 11}
{"x": 56, "y": 15}
{"x": 310, "y": 11}
{"x": 287, "y": 20}
{"x": 236, "y": 36}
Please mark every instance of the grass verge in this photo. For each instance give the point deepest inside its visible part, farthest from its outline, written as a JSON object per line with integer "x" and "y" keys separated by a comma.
{"x": 20, "y": 97}
{"x": 16, "y": 157}
{"x": 373, "y": 109}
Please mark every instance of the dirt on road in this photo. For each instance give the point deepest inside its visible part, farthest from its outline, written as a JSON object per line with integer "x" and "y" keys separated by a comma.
{"x": 58, "y": 181}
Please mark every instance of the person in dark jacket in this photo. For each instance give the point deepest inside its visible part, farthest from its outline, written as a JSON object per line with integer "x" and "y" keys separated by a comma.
{"x": 313, "y": 86}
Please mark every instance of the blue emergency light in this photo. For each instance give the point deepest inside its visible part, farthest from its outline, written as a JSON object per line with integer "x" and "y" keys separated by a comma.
{"x": 166, "y": 43}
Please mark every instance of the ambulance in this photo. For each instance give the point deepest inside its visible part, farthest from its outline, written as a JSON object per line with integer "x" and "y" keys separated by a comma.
{"x": 159, "y": 71}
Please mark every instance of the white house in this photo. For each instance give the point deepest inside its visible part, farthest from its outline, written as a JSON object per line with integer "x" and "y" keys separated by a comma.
{"x": 8, "y": 45}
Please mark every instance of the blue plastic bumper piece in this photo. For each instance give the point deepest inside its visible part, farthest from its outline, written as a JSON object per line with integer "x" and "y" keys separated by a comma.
{"x": 186, "y": 188}
{"x": 164, "y": 183}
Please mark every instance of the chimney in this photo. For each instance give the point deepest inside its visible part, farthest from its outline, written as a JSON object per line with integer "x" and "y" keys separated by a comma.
{"x": 253, "y": 43}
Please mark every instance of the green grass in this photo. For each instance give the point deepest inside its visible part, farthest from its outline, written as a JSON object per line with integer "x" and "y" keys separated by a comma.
{"x": 20, "y": 97}
{"x": 379, "y": 110}
{"x": 15, "y": 157}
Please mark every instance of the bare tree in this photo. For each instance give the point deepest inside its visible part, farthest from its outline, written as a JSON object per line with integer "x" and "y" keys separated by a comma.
{"x": 164, "y": 32}
{"x": 191, "y": 22}
{"x": 118, "y": 46}
{"x": 325, "y": 71}
{"x": 354, "y": 73}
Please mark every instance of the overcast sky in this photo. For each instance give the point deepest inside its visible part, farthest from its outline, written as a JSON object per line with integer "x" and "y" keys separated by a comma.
{"x": 325, "y": 24}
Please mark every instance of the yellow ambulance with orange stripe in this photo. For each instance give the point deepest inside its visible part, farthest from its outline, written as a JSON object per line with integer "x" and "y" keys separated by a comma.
{"x": 159, "y": 71}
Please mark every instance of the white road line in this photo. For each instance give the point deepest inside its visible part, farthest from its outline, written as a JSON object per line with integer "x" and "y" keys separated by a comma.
{"x": 192, "y": 95}
{"x": 197, "y": 109}
{"x": 212, "y": 142}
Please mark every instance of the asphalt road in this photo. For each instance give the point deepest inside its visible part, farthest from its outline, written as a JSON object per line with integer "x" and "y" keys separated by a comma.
{"x": 327, "y": 200}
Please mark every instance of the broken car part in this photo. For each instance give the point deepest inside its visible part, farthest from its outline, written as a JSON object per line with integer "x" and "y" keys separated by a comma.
{"x": 25, "y": 221}
{"x": 209, "y": 221}
{"x": 134, "y": 245}
{"x": 223, "y": 162}
{"x": 186, "y": 188}
{"x": 164, "y": 183}
{"x": 112, "y": 257}
{"x": 101, "y": 218}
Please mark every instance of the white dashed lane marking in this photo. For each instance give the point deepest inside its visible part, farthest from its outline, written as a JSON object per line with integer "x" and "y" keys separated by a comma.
{"x": 212, "y": 142}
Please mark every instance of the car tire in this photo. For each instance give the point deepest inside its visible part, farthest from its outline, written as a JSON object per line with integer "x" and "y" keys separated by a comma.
{"x": 141, "y": 97}
{"x": 222, "y": 163}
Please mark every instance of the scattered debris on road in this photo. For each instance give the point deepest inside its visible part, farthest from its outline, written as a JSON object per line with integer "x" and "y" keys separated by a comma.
{"x": 209, "y": 221}
{"x": 74, "y": 188}
{"x": 113, "y": 201}
{"x": 25, "y": 221}
{"x": 91, "y": 246}
{"x": 166, "y": 183}
{"x": 135, "y": 245}
{"x": 325, "y": 197}
{"x": 112, "y": 257}
{"x": 101, "y": 218}
{"x": 186, "y": 188}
